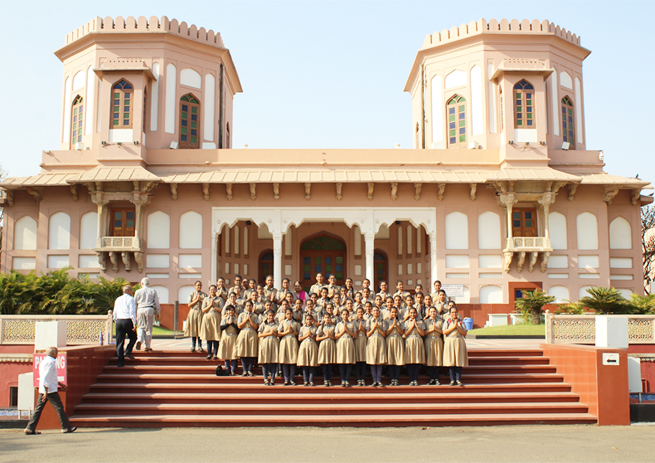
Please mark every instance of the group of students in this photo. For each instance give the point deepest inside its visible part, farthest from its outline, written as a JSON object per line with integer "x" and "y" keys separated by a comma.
{"x": 331, "y": 325}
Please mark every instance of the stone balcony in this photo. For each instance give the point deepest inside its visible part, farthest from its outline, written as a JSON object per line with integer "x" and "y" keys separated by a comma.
{"x": 524, "y": 246}
{"x": 113, "y": 246}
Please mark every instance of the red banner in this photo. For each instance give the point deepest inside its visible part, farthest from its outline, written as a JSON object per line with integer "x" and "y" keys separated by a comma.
{"x": 62, "y": 363}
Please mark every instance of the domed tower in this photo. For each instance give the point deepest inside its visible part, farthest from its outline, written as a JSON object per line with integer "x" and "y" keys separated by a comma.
{"x": 151, "y": 84}
{"x": 492, "y": 84}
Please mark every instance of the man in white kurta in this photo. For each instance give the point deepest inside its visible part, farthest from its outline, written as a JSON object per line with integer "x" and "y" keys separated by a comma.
{"x": 147, "y": 308}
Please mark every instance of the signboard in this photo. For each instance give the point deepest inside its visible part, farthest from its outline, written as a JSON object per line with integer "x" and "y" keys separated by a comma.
{"x": 453, "y": 290}
{"x": 61, "y": 362}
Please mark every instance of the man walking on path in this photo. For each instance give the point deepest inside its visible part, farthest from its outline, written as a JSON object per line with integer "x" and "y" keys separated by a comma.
{"x": 48, "y": 386}
{"x": 147, "y": 302}
{"x": 125, "y": 318}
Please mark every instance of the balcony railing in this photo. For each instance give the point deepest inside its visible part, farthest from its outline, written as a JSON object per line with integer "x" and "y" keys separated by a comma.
{"x": 119, "y": 243}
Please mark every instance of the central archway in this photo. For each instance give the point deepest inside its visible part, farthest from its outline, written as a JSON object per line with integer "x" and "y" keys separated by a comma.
{"x": 322, "y": 253}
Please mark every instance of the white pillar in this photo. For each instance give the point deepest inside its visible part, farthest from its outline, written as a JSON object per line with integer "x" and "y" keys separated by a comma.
{"x": 214, "y": 257}
{"x": 433, "y": 257}
{"x": 369, "y": 243}
{"x": 277, "y": 260}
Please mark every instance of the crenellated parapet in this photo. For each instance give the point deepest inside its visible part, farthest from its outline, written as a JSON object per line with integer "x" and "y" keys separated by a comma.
{"x": 503, "y": 26}
{"x": 154, "y": 24}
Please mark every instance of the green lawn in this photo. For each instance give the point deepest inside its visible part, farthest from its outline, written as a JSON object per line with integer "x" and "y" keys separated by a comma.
{"x": 511, "y": 330}
{"x": 156, "y": 331}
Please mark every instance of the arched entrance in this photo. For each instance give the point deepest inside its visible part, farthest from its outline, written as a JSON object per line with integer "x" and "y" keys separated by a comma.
{"x": 381, "y": 263}
{"x": 322, "y": 253}
{"x": 265, "y": 265}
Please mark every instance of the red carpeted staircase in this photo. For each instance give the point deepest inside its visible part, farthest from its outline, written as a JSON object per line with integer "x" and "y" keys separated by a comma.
{"x": 166, "y": 389}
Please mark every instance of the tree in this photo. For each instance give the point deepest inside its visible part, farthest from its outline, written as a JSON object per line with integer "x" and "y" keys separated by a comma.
{"x": 648, "y": 244}
{"x": 607, "y": 300}
{"x": 531, "y": 303}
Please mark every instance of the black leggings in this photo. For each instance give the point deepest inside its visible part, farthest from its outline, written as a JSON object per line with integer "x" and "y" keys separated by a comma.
{"x": 412, "y": 371}
{"x": 327, "y": 372}
{"x": 269, "y": 370}
{"x": 345, "y": 370}
{"x": 247, "y": 363}
{"x": 376, "y": 372}
{"x": 289, "y": 371}
{"x": 230, "y": 365}
{"x": 434, "y": 373}
{"x": 212, "y": 346}
{"x": 394, "y": 371}
{"x": 455, "y": 373}
{"x": 193, "y": 342}
{"x": 360, "y": 371}
{"x": 308, "y": 374}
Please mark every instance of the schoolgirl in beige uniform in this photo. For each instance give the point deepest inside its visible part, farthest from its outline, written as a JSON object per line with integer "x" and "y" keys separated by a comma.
{"x": 395, "y": 346}
{"x": 288, "y": 353}
{"x": 346, "y": 356}
{"x": 360, "y": 346}
{"x": 414, "y": 348}
{"x": 376, "y": 349}
{"x": 308, "y": 351}
{"x": 247, "y": 341}
{"x": 269, "y": 345}
{"x": 327, "y": 350}
{"x": 194, "y": 318}
{"x": 210, "y": 328}
{"x": 229, "y": 333}
{"x": 455, "y": 355}
{"x": 433, "y": 345}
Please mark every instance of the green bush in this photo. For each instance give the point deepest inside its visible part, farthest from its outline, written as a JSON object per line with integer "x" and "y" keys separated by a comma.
{"x": 56, "y": 293}
{"x": 607, "y": 300}
{"x": 531, "y": 303}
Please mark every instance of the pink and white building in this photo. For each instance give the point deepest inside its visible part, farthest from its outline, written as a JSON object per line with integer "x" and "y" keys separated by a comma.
{"x": 499, "y": 192}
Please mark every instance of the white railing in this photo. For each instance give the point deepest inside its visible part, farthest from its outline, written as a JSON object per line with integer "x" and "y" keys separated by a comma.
{"x": 80, "y": 329}
{"x": 581, "y": 329}
{"x": 119, "y": 243}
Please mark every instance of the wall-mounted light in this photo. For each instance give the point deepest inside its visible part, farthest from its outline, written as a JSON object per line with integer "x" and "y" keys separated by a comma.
{"x": 103, "y": 143}
{"x": 136, "y": 142}
{"x": 120, "y": 143}
{"x": 511, "y": 142}
{"x": 542, "y": 143}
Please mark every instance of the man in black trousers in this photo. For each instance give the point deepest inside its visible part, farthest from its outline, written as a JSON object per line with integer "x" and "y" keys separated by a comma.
{"x": 125, "y": 318}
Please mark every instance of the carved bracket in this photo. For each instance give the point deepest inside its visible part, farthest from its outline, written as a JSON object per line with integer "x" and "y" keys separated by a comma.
{"x": 253, "y": 191}
{"x": 635, "y": 196}
{"x": 113, "y": 256}
{"x": 126, "y": 260}
{"x": 609, "y": 192}
{"x": 509, "y": 255}
{"x": 73, "y": 189}
{"x": 9, "y": 195}
{"x": 417, "y": 191}
{"x": 339, "y": 189}
{"x": 369, "y": 194}
{"x": 102, "y": 260}
{"x": 138, "y": 257}
{"x": 394, "y": 191}
{"x": 36, "y": 192}
{"x": 544, "y": 261}
{"x": 308, "y": 191}
{"x": 174, "y": 191}
{"x": 228, "y": 191}
{"x": 572, "y": 189}
{"x": 473, "y": 192}
{"x": 205, "y": 191}
{"x": 534, "y": 255}
{"x": 441, "y": 191}
{"x": 520, "y": 262}
{"x": 276, "y": 191}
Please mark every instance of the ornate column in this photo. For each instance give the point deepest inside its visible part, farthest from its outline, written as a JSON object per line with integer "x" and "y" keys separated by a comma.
{"x": 507, "y": 200}
{"x": 433, "y": 258}
{"x": 369, "y": 245}
{"x": 277, "y": 260}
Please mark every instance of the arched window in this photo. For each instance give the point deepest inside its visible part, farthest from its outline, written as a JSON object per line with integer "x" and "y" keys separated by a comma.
{"x": 567, "y": 121}
{"x": 122, "y": 105}
{"x": 189, "y": 112}
{"x": 77, "y": 121}
{"x": 456, "y": 107}
{"x": 524, "y": 105}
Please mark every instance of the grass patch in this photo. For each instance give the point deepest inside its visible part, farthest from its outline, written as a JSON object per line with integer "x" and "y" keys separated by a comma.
{"x": 511, "y": 330}
{"x": 156, "y": 331}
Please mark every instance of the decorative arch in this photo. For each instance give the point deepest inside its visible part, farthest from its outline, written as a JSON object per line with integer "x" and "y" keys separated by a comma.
{"x": 489, "y": 231}
{"x": 159, "y": 230}
{"x": 620, "y": 234}
{"x": 456, "y": 110}
{"x": 567, "y": 122}
{"x": 587, "y": 231}
{"x": 25, "y": 234}
{"x": 557, "y": 230}
{"x": 323, "y": 253}
{"x": 191, "y": 230}
{"x": 189, "y": 122}
{"x": 59, "y": 236}
{"x": 524, "y": 108}
{"x": 457, "y": 231}
{"x": 88, "y": 230}
{"x": 122, "y": 105}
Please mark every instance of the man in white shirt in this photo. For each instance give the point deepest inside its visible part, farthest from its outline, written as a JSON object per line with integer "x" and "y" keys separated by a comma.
{"x": 48, "y": 386}
{"x": 125, "y": 318}
{"x": 147, "y": 302}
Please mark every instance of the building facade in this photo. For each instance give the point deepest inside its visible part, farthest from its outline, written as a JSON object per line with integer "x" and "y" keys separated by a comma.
{"x": 499, "y": 193}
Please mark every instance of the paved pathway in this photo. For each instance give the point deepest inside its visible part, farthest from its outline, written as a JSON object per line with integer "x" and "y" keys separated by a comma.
{"x": 476, "y": 444}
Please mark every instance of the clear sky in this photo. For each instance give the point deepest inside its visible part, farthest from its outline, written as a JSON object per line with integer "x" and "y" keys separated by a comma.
{"x": 330, "y": 74}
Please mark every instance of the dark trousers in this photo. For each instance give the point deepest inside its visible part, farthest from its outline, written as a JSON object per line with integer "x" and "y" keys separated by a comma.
{"x": 434, "y": 373}
{"x": 230, "y": 365}
{"x": 455, "y": 373}
{"x": 308, "y": 374}
{"x": 247, "y": 363}
{"x": 55, "y": 400}
{"x": 394, "y": 371}
{"x": 412, "y": 371}
{"x": 212, "y": 347}
{"x": 327, "y": 372}
{"x": 289, "y": 371}
{"x": 124, "y": 326}
{"x": 193, "y": 342}
{"x": 360, "y": 371}
{"x": 269, "y": 370}
{"x": 376, "y": 372}
{"x": 345, "y": 370}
